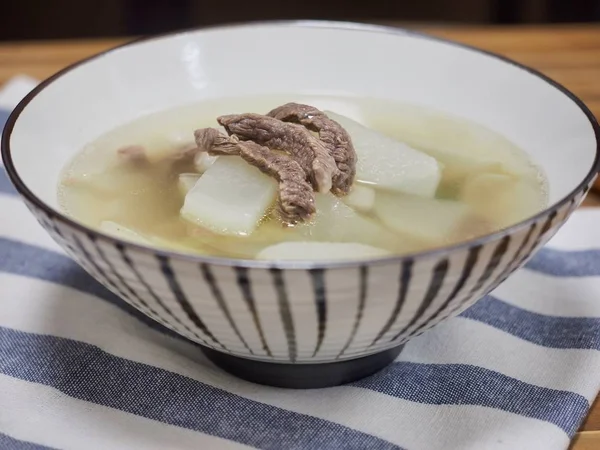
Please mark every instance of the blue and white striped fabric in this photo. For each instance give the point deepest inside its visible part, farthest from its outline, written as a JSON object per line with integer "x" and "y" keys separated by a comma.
{"x": 79, "y": 369}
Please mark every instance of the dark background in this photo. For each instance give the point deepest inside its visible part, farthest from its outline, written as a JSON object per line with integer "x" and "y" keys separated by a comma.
{"x": 53, "y": 19}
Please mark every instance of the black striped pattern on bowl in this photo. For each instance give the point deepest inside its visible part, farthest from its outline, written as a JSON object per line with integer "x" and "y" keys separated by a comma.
{"x": 311, "y": 315}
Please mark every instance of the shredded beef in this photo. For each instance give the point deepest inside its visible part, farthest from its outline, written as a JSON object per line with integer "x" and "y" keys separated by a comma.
{"x": 308, "y": 150}
{"x": 331, "y": 133}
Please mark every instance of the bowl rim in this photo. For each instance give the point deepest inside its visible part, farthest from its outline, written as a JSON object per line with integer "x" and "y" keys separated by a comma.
{"x": 55, "y": 214}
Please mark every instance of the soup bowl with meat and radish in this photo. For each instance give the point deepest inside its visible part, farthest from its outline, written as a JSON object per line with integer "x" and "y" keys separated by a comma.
{"x": 300, "y": 214}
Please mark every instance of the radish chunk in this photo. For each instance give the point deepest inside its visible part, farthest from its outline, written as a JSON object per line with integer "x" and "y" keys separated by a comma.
{"x": 361, "y": 198}
{"x": 230, "y": 198}
{"x": 269, "y": 232}
{"x": 186, "y": 182}
{"x": 390, "y": 164}
{"x": 202, "y": 161}
{"x": 320, "y": 251}
{"x": 127, "y": 234}
{"x": 431, "y": 220}
{"x": 502, "y": 199}
{"x": 337, "y": 222}
{"x": 460, "y": 146}
{"x": 458, "y": 167}
{"x": 121, "y": 232}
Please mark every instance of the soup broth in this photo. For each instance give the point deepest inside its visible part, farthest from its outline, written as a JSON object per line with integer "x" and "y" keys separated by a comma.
{"x": 423, "y": 179}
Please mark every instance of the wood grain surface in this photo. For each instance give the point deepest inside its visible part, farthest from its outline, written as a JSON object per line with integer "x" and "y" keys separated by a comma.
{"x": 570, "y": 54}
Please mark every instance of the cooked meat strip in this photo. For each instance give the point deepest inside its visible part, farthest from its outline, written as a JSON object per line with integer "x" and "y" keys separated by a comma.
{"x": 309, "y": 151}
{"x": 137, "y": 154}
{"x": 133, "y": 153}
{"x": 296, "y": 197}
{"x": 207, "y": 138}
{"x": 332, "y": 134}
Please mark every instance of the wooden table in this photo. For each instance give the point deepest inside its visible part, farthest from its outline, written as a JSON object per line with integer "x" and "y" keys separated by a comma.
{"x": 569, "y": 54}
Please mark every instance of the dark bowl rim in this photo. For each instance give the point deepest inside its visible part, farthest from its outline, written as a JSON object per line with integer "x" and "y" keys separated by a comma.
{"x": 24, "y": 191}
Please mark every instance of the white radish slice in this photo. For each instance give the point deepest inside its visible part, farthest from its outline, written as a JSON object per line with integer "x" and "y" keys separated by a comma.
{"x": 361, "y": 198}
{"x": 457, "y": 167}
{"x": 186, "y": 182}
{"x": 122, "y": 232}
{"x": 268, "y": 233}
{"x": 502, "y": 200}
{"x": 202, "y": 161}
{"x": 320, "y": 251}
{"x": 230, "y": 198}
{"x": 337, "y": 222}
{"x": 460, "y": 145}
{"x": 97, "y": 183}
{"x": 390, "y": 164}
{"x": 431, "y": 220}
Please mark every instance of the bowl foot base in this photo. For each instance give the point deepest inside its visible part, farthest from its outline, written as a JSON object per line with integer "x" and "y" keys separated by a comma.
{"x": 303, "y": 376}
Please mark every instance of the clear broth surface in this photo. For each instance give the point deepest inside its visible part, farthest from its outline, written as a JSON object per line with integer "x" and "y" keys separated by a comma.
{"x": 96, "y": 186}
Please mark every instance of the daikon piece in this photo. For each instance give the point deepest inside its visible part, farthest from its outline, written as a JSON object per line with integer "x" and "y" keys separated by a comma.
{"x": 230, "y": 198}
{"x": 361, "y": 198}
{"x": 95, "y": 162}
{"x": 501, "y": 199}
{"x": 434, "y": 221}
{"x": 109, "y": 184}
{"x": 315, "y": 251}
{"x": 202, "y": 161}
{"x": 337, "y": 222}
{"x": 122, "y": 232}
{"x": 119, "y": 231}
{"x": 97, "y": 183}
{"x": 267, "y": 233}
{"x": 166, "y": 244}
{"x": 461, "y": 147}
{"x": 390, "y": 164}
{"x": 457, "y": 167}
{"x": 186, "y": 182}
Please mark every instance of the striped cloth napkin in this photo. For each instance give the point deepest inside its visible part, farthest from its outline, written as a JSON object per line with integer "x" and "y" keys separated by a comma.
{"x": 79, "y": 369}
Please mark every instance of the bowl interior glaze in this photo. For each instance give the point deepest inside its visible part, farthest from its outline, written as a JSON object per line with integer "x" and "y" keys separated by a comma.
{"x": 304, "y": 58}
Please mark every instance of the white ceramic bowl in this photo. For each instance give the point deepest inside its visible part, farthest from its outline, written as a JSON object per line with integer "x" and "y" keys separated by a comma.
{"x": 300, "y": 324}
